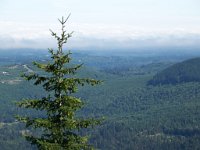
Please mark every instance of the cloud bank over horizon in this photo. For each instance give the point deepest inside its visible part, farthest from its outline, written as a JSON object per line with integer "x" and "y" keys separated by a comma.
{"x": 99, "y": 36}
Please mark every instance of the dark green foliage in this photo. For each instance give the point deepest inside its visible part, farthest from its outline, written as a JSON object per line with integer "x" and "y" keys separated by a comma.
{"x": 60, "y": 125}
{"x": 187, "y": 71}
{"x": 139, "y": 117}
{"x": 150, "y": 118}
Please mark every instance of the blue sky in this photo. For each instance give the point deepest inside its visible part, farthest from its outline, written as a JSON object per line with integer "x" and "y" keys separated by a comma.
{"x": 105, "y": 23}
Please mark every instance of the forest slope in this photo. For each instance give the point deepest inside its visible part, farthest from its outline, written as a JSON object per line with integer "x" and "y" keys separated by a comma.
{"x": 186, "y": 71}
{"x": 138, "y": 116}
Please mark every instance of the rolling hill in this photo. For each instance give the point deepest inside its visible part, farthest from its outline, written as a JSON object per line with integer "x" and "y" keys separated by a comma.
{"x": 137, "y": 116}
{"x": 186, "y": 71}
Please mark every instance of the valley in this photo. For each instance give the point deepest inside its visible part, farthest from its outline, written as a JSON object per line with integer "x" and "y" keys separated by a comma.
{"x": 137, "y": 115}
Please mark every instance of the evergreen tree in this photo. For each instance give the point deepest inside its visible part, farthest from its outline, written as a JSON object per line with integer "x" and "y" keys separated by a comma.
{"x": 60, "y": 126}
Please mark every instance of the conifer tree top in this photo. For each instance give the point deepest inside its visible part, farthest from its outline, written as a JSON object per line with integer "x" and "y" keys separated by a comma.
{"x": 60, "y": 125}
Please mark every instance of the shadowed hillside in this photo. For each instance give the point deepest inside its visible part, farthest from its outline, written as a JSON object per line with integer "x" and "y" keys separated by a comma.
{"x": 186, "y": 71}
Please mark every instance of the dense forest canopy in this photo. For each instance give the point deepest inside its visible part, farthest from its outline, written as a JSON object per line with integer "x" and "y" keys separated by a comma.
{"x": 186, "y": 71}
{"x": 138, "y": 115}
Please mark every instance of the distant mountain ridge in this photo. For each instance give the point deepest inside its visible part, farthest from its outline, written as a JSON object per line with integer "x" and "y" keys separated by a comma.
{"x": 186, "y": 71}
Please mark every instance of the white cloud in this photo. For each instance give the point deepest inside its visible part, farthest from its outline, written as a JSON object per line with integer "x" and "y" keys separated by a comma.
{"x": 26, "y": 35}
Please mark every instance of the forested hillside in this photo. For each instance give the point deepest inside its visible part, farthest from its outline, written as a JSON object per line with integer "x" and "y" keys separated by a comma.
{"x": 187, "y": 71}
{"x": 137, "y": 115}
